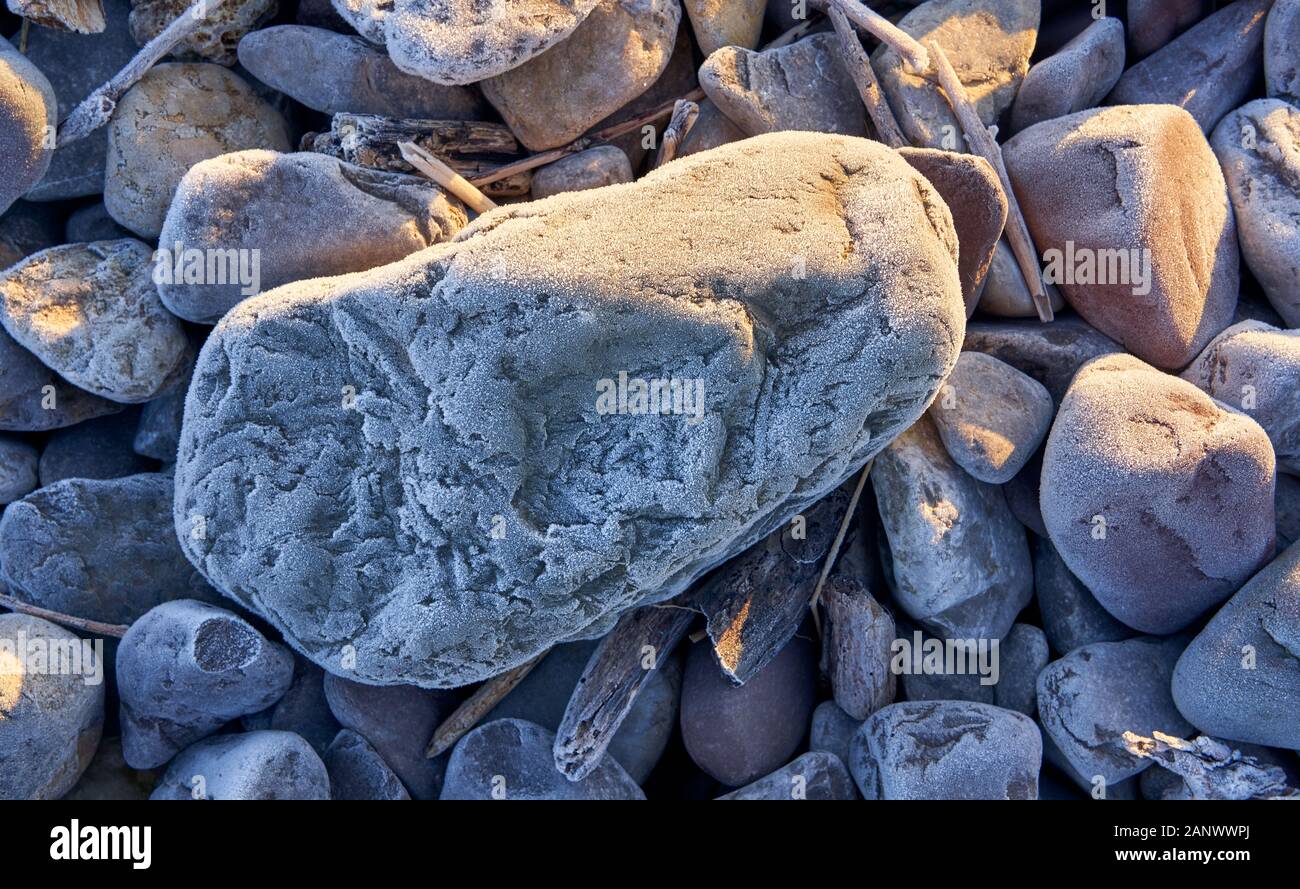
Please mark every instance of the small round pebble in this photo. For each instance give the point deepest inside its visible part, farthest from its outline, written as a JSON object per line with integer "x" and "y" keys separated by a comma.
{"x": 593, "y": 168}
{"x": 358, "y": 772}
{"x": 18, "y": 469}
{"x": 28, "y": 113}
{"x": 254, "y": 765}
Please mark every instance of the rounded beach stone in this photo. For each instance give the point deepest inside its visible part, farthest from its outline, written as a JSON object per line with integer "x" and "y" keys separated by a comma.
{"x": 398, "y": 721}
{"x": 215, "y": 40}
{"x": 335, "y": 73}
{"x": 93, "y": 223}
{"x": 102, "y": 550}
{"x": 18, "y": 469}
{"x": 28, "y": 114}
{"x": 1158, "y": 498}
{"x": 35, "y": 398}
{"x": 50, "y": 719}
{"x": 946, "y": 750}
{"x": 1255, "y": 368}
{"x": 1077, "y": 77}
{"x": 719, "y": 23}
{"x": 159, "y": 431}
{"x": 253, "y": 765}
{"x": 365, "y": 16}
{"x": 855, "y": 281}
{"x": 1050, "y": 353}
{"x": 1287, "y": 504}
{"x": 185, "y": 669}
{"x": 1083, "y": 711}
{"x": 512, "y": 759}
{"x": 1005, "y": 294}
{"x": 960, "y": 559}
{"x": 812, "y": 776}
{"x": 99, "y": 448}
{"x": 358, "y": 772}
{"x": 1153, "y": 23}
{"x": 28, "y": 228}
{"x": 1207, "y": 70}
{"x": 1281, "y": 63}
{"x": 593, "y": 168}
{"x": 801, "y": 86}
{"x": 1240, "y": 677}
{"x": 282, "y": 211}
{"x": 176, "y": 116}
{"x": 712, "y": 129}
{"x": 991, "y": 417}
{"x": 1129, "y": 208}
{"x": 988, "y": 42}
{"x": 91, "y": 312}
{"x": 302, "y": 710}
{"x": 1021, "y": 655}
{"x": 614, "y": 56}
{"x": 108, "y": 777}
{"x": 737, "y": 733}
{"x": 1072, "y": 617}
{"x": 832, "y": 730}
{"x": 466, "y": 41}
{"x": 1258, "y": 146}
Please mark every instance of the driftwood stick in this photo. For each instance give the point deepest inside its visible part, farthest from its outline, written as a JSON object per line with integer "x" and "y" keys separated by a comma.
{"x": 1211, "y": 769}
{"x": 859, "y": 65}
{"x": 67, "y": 620}
{"x": 96, "y": 109}
{"x": 445, "y": 176}
{"x": 885, "y": 31}
{"x": 478, "y": 705}
{"x": 684, "y": 115}
{"x": 857, "y": 643}
{"x": 618, "y": 669}
{"x": 981, "y": 142}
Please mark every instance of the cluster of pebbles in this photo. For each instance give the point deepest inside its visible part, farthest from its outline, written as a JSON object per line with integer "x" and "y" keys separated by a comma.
{"x": 321, "y": 479}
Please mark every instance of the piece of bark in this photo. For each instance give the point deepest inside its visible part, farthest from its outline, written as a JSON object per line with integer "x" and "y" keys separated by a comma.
{"x": 756, "y": 602}
{"x": 858, "y": 634}
{"x": 684, "y": 116}
{"x": 1211, "y": 769}
{"x": 478, "y": 705}
{"x": 619, "y": 668}
{"x": 79, "y": 16}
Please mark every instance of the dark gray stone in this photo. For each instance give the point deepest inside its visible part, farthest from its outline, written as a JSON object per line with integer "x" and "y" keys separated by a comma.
{"x": 1021, "y": 655}
{"x": 1072, "y": 616}
{"x": 302, "y": 710}
{"x": 358, "y": 772}
{"x": 1078, "y": 76}
{"x": 820, "y": 776}
{"x": 832, "y": 730}
{"x": 18, "y": 468}
{"x": 1050, "y": 353}
{"x": 96, "y": 449}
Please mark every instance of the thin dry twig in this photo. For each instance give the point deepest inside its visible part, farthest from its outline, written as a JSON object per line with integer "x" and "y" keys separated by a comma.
{"x": 839, "y": 541}
{"x": 478, "y": 705}
{"x": 96, "y": 109}
{"x": 22, "y": 36}
{"x": 67, "y": 620}
{"x": 859, "y": 65}
{"x": 981, "y": 142}
{"x": 684, "y": 115}
{"x": 445, "y": 176}
{"x": 885, "y": 31}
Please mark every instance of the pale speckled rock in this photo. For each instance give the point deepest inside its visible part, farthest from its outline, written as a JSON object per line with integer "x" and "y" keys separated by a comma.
{"x": 185, "y": 669}
{"x": 288, "y": 207}
{"x": 398, "y": 721}
{"x": 34, "y": 398}
{"x": 50, "y": 720}
{"x": 832, "y": 730}
{"x": 1207, "y": 70}
{"x": 1084, "y": 714}
{"x": 802, "y": 86}
{"x": 1287, "y": 504}
{"x": 1132, "y": 178}
{"x": 1004, "y": 293}
{"x": 466, "y": 41}
{"x": 91, "y": 312}
{"x": 28, "y": 109}
{"x": 18, "y": 468}
{"x": 176, "y": 116}
{"x": 93, "y": 223}
{"x": 358, "y": 772}
{"x": 76, "y": 64}
{"x": 366, "y": 16}
{"x": 1021, "y": 655}
{"x": 511, "y": 759}
{"x": 988, "y": 43}
{"x": 875, "y": 302}
{"x": 213, "y": 41}
{"x": 98, "y": 448}
{"x": 253, "y": 765}
{"x": 102, "y": 550}
{"x": 712, "y": 129}
{"x": 1159, "y": 499}
{"x": 947, "y": 750}
{"x": 1255, "y": 368}
{"x": 737, "y": 733}
{"x": 1077, "y": 77}
{"x": 335, "y": 73}
{"x": 1050, "y": 353}
{"x": 108, "y": 777}
{"x": 719, "y": 23}
{"x": 1071, "y": 616}
{"x": 1281, "y": 63}
{"x": 960, "y": 559}
{"x": 813, "y": 776}
{"x": 1153, "y": 23}
{"x": 593, "y": 168}
{"x": 991, "y": 417}
{"x": 613, "y": 57}
{"x": 1258, "y": 146}
{"x": 1240, "y": 678}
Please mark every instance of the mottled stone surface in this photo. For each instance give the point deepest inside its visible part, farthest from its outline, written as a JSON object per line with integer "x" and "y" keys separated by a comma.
{"x": 719, "y": 23}
{"x": 814, "y": 775}
{"x": 1144, "y": 479}
{"x": 254, "y": 765}
{"x": 18, "y": 467}
{"x": 832, "y": 730}
{"x": 358, "y": 772}
{"x": 861, "y": 331}
{"x": 50, "y": 721}
{"x": 34, "y": 398}
{"x": 1135, "y": 193}
{"x": 1153, "y": 23}
{"x": 1281, "y": 63}
{"x": 1020, "y": 658}
{"x": 1072, "y": 617}
{"x": 1075, "y": 78}
{"x": 302, "y": 710}
{"x": 593, "y": 168}
{"x": 28, "y": 109}
{"x": 213, "y": 41}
